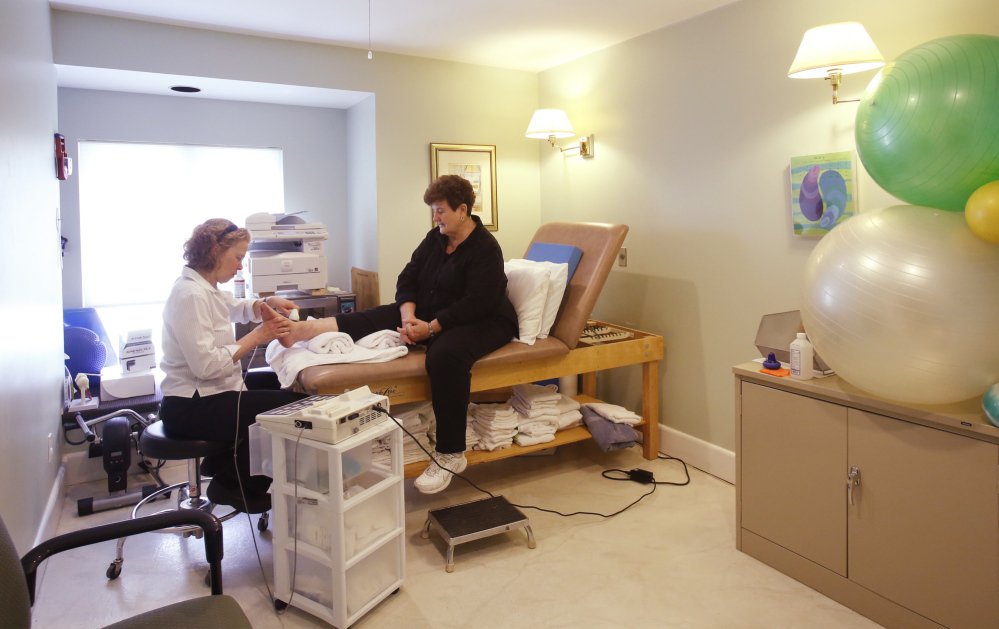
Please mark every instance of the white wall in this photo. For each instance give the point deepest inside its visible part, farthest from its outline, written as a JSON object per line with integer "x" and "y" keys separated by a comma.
{"x": 417, "y": 102}
{"x": 30, "y": 301}
{"x": 694, "y": 127}
{"x": 314, "y": 141}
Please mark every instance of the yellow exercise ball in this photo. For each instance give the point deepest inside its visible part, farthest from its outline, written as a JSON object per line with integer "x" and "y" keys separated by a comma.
{"x": 982, "y": 212}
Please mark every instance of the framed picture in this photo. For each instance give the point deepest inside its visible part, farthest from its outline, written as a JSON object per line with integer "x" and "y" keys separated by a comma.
{"x": 823, "y": 192}
{"x": 476, "y": 163}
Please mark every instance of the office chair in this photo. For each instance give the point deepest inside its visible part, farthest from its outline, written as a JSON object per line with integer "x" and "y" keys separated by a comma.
{"x": 17, "y": 576}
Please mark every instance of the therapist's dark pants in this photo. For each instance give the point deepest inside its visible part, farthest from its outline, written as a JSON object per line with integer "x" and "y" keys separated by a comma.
{"x": 224, "y": 417}
{"x": 450, "y": 356}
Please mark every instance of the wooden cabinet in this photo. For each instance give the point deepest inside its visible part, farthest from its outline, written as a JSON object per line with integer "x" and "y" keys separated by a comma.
{"x": 891, "y": 510}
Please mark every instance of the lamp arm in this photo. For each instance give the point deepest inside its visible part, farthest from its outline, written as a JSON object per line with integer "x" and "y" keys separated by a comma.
{"x": 835, "y": 78}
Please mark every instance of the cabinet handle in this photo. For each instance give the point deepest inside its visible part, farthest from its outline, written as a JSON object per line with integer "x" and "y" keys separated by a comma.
{"x": 852, "y": 480}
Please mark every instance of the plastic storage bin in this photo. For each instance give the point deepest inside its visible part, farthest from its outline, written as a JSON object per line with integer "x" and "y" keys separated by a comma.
{"x": 338, "y": 523}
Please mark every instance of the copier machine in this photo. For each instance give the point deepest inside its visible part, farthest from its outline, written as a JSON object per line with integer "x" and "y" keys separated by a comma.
{"x": 286, "y": 254}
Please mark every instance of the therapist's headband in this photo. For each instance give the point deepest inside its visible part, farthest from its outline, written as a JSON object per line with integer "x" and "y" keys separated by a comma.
{"x": 228, "y": 230}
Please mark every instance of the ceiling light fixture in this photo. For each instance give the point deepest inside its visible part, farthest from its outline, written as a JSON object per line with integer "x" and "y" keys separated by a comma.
{"x": 553, "y": 124}
{"x": 370, "y": 54}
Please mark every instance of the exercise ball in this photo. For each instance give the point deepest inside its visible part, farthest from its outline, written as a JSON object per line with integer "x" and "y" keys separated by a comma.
{"x": 927, "y": 128}
{"x": 903, "y": 302}
{"x": 982, "y": 212}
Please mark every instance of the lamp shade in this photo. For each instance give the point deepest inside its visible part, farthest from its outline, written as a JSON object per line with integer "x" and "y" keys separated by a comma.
{"x": 844, "y": 47}
{"x": 546, "y": 123}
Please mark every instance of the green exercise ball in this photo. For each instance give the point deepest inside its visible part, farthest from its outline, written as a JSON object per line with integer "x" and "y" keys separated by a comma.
{"x": 928, "y": 125}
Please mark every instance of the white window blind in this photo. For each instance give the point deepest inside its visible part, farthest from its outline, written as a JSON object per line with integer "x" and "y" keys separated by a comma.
{"x": 139, "y": 204}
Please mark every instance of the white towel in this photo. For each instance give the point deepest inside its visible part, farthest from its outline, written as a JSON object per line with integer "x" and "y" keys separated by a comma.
{"x": 531, "y": 440}
{"x": 492, "y": 411}
{"x": 329, "y": 343}
{"x": 570, "y": 419}
{"x": 382, "y": 339}
{"x": 486, "y": 443}
{"x": 546, "y": 426}
{"x": 615, "y": 413}
{"x": 532, "y": 393}
{"x": 494, "y": 429}
{"x": 566, "y": 404}
{"x": 535, "y": 410}
{"x": 288, "y": 361}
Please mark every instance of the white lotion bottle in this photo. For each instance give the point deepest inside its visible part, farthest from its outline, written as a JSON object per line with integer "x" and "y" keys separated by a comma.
{"x": 239, "y": 286}
{"x": 801, "y": 358}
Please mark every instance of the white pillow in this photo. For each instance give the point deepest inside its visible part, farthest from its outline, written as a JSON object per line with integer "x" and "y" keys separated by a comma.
{"x": 527, "y": 288}
{"x": 558, "y": 277}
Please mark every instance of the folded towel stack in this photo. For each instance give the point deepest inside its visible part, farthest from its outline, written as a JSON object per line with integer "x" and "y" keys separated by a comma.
{"x": 495, "y": 425}
{"x": 568, "y": 413}
{"x": 471, "y": 436}
{"x": 416, "y": 418}
{"x": 538, "y": 409}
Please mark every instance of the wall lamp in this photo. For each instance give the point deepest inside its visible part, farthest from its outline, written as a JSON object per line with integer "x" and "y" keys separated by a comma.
{"x": 828, "y": 52}
{"x": 553, "y": 124}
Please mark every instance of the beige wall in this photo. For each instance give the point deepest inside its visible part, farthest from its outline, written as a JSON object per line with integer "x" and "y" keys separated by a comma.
{"x": 694, "y": 126}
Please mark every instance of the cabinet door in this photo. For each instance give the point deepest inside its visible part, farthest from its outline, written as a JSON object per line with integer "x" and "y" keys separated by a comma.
{"x": 924, "y": 526}
{"x": 792, "y": 473}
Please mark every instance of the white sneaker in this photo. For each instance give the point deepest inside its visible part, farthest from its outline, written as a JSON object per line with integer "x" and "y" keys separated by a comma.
{"x": 438, "y": 475}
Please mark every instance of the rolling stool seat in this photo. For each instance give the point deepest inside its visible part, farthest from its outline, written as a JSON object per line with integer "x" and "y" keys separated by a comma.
{"x": 154, "y": 443}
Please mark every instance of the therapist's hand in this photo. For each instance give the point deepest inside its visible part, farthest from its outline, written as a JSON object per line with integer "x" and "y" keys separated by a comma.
{"x": 274, "y": 326}
{"x": 280, "y": 304}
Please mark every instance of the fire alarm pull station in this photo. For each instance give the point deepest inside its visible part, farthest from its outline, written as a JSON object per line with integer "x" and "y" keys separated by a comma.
{"x": 63, "y": 162}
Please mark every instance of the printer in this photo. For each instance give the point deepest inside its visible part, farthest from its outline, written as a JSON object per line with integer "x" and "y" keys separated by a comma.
{"x": 286, "y": 254}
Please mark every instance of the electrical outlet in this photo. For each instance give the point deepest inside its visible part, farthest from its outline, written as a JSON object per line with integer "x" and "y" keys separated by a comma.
{"x": 622, "y": 257}
{"x": 51, "y": 443}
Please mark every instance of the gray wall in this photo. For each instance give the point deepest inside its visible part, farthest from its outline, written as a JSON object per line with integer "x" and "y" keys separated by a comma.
{"x": 30, "y": 300}
{"x": 313, "y": 140}
{"x": 695, "y": 125}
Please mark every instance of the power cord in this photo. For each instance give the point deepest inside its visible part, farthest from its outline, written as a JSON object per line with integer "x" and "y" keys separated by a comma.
{"x": 636, "y": 475}
{"x": 242, "y": 491}
{"x": 249, "y": 520}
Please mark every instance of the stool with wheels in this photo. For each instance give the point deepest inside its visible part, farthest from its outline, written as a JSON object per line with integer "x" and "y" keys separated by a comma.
{"x": 154, "y": 443}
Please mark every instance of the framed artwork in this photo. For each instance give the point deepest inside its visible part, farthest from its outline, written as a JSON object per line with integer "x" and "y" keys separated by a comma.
{"x": 823, "y": 192}
{"x": 476, "y": 163}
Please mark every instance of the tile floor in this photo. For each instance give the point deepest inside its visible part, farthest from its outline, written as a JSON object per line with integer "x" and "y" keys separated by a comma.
{"x": 669, "y": 561}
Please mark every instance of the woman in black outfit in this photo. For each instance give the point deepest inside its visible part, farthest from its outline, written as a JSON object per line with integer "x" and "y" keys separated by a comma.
{"x": 451, "y": 296}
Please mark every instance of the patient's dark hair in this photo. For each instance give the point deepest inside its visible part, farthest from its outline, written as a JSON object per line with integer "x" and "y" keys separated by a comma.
{"x": 451, "y": 188}
{"x": 209, "y": 239}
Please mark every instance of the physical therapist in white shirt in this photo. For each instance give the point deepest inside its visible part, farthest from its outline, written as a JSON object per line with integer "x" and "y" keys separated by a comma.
{"x": 204, "y": 396}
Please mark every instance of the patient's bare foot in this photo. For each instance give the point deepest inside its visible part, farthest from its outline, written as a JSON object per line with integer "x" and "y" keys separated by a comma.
{"x": 305, "y": 330}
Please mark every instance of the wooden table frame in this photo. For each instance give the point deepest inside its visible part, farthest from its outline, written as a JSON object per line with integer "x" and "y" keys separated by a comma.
{"x": 643, "y": 349}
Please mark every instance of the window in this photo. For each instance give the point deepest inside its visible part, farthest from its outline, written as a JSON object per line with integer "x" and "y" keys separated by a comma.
{"x": 139, "y": 203}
